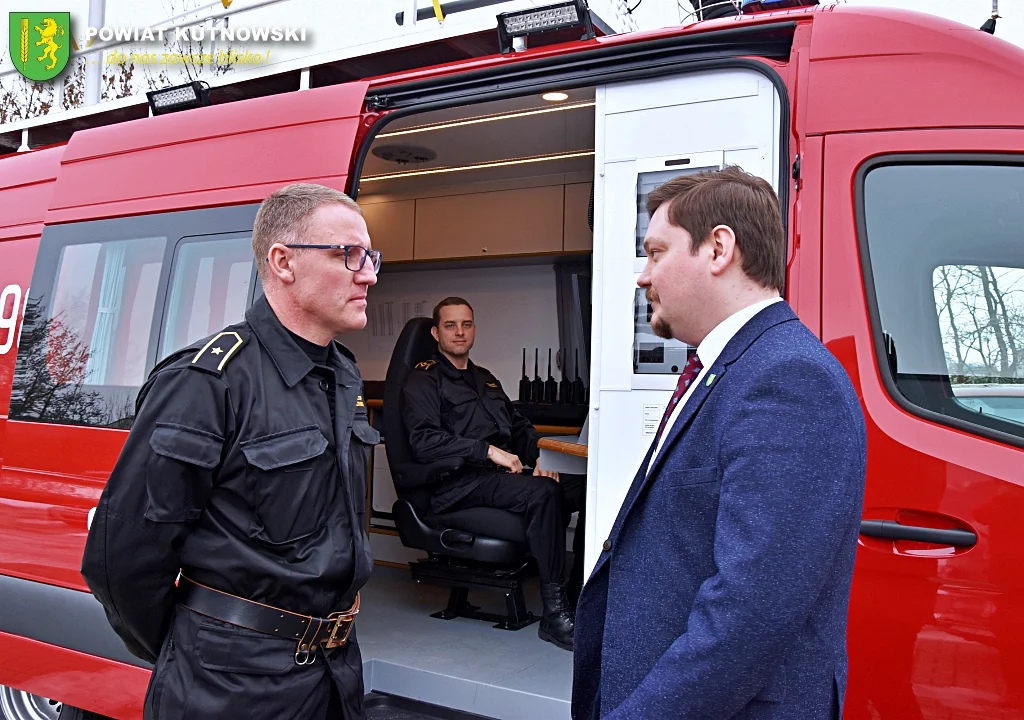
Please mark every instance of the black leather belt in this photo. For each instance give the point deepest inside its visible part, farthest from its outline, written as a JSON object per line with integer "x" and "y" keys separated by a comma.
{"x": 310, "y": 633}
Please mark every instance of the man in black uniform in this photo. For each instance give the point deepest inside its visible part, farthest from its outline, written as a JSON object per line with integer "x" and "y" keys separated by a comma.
{"x": 454, "y": 408}
{"x": 245, "y": 470}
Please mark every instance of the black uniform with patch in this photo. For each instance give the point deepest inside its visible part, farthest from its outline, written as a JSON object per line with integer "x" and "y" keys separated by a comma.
{"x": 457, "y": 413}
{"x": 246, "y": 469}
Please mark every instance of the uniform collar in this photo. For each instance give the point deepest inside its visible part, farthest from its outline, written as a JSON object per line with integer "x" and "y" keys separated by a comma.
{"x": 450, "y": 370}
{"x": 290, "y": 360}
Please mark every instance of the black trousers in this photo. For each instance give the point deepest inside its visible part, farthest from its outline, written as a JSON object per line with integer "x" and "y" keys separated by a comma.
{"x": 210, "y": 670}
{"x": 548, "y": 506}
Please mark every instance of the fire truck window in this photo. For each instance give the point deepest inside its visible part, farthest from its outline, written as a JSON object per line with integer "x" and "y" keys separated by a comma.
{"x": 209, "y": 289}
{"x": 945, "y": 245}
{"x": 82, "y": 355}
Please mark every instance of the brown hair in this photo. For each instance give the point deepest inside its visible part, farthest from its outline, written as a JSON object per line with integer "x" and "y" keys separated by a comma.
{"x": 447, "y": 302}
{"x": 284, "y": 216}
{"x": 746, "y": 203}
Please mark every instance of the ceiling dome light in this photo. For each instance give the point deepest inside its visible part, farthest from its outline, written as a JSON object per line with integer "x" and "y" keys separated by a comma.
{"x": 555, "y": 96}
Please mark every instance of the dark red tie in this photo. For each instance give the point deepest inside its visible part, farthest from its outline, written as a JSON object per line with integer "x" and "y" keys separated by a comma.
{"x": 690, "y": 372}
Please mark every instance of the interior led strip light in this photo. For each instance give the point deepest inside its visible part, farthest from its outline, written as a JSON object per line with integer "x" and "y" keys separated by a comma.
{"x": 486, "y": 118}
{"x": 480, "y": 166}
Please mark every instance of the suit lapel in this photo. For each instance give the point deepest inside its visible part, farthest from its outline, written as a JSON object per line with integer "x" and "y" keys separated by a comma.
{"x": 693, "y": 403}
{"x": 686, "y": 414}
{"x": 769, "y": 317}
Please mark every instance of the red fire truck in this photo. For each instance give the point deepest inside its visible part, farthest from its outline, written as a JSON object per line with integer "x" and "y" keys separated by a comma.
{"x": 895, "y": 141}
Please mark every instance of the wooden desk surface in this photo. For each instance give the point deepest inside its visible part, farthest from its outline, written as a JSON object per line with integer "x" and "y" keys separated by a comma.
{"x": 563, "y": 447}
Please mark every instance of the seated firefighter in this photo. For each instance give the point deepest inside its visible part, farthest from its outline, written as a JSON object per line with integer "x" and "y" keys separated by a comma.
{"x": 454, "y": 408}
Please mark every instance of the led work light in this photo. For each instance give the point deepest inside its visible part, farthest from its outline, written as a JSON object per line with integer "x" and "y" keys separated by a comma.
{"x": 523, "y": 23}
{"x": 180, "y": 97}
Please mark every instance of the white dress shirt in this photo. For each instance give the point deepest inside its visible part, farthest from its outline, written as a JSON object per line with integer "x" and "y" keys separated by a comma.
{"x": 708, "y": 351}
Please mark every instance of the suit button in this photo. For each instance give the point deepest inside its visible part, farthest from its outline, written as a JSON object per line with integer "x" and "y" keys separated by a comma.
{"x": 607, "y": 545}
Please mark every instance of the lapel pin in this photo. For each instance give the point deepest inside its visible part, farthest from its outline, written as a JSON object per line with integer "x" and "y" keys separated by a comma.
{"x": 711, "y": 379}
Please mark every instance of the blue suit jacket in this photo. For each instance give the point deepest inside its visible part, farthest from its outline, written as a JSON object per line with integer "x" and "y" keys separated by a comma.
{"x": 723, "y": 588}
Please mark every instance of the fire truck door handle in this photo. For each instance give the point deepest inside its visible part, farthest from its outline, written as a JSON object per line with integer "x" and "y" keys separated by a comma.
{"x": 889, "y": 530}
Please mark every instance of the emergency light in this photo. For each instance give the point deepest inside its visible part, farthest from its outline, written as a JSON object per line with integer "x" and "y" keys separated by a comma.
{"x": 180, "y": 97}
{"x": 523, "y": 23}
{"x": 751, "y": 6}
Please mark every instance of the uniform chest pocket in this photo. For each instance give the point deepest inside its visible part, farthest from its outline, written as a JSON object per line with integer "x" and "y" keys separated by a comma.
{"x": 289, "y": 474}
{"x": 364, "y": 438}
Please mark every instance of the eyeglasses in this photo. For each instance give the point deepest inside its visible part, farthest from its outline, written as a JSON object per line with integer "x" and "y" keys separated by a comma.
{"x": 354, "y": 254}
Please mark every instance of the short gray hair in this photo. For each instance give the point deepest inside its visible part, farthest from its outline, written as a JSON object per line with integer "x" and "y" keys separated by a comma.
{"x": 285, "y": 214}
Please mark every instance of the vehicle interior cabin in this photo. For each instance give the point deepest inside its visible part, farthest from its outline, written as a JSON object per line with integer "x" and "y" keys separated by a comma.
{"x": 492, "y": 203}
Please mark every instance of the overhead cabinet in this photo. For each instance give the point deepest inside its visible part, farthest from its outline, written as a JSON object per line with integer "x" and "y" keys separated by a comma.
{"x": 390, "y": 225}
{"x": 507, "y": 222}
{"x": 577, "y": 234}
{"x": 502, "y": 223}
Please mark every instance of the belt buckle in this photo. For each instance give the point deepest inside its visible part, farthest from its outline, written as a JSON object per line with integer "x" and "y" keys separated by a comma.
{"x": 342, "y": 621}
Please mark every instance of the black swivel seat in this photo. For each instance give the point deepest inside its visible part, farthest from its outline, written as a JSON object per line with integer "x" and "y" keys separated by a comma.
{"x": 479, "y": 548}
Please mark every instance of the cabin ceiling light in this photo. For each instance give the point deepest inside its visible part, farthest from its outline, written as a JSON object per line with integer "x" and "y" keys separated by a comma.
{"x": 445, "y": 125}
{"x": 481, "y": 166}
{"x": 555, "y": 96}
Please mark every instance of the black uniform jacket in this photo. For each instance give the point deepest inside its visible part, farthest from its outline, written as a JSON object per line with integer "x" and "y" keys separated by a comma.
{"x": 451, "y": 413}
{"x": 233, "y": 473}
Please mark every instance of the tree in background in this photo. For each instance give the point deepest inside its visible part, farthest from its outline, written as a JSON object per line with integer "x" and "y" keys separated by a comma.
{"x": 21, "y": 99}
{"x": 981, "y": 311}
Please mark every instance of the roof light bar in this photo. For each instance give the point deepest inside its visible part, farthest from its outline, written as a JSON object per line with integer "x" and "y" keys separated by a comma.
{"x": 180, "y": 97}
{"x": 751, "y": 6}
{"x": 523, "y": 23}
{"x": 480, "y": 166}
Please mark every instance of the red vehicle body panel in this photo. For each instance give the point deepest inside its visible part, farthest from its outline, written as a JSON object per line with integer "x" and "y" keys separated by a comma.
{"x": 941, "y": 624}
{"x": 930, "y": 636}
{"x": 81, "y": 679}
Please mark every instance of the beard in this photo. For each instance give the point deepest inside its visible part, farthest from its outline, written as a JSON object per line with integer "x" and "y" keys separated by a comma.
{"x": 659, "y": 327}
{"x": 662, "y": 329}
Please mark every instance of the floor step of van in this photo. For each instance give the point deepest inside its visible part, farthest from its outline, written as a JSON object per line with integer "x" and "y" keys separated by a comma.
{"x": 383, "y": 706}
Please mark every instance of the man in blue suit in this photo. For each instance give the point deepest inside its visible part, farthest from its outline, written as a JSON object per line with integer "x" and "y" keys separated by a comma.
{"x": 722, "y": 589}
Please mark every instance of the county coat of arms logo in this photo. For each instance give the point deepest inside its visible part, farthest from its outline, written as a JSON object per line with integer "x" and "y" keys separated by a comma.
{"x": 40, "y": 43}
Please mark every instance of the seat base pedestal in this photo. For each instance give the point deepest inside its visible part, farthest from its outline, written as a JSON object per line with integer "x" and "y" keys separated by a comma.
{"x": 465, "y": 576}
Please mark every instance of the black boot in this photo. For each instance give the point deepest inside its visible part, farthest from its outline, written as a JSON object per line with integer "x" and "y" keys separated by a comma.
{"x": 556, "y": 625}
{"x": 573, "y": 591}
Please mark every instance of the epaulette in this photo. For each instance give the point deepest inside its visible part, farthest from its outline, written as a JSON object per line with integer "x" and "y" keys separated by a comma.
{"x": 425, "y": 365}
{"x": 214, "y": 355}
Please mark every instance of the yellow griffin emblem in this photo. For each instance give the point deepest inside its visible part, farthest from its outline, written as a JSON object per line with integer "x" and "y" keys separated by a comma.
{"x": 426, "y": 364}
{"x": 48, "y": 32}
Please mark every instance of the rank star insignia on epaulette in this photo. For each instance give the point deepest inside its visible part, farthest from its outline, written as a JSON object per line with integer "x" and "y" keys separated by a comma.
{"x": 426, "y": 364}
{"x": 359, "y": 401}
{"x": 216, "y": 353}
